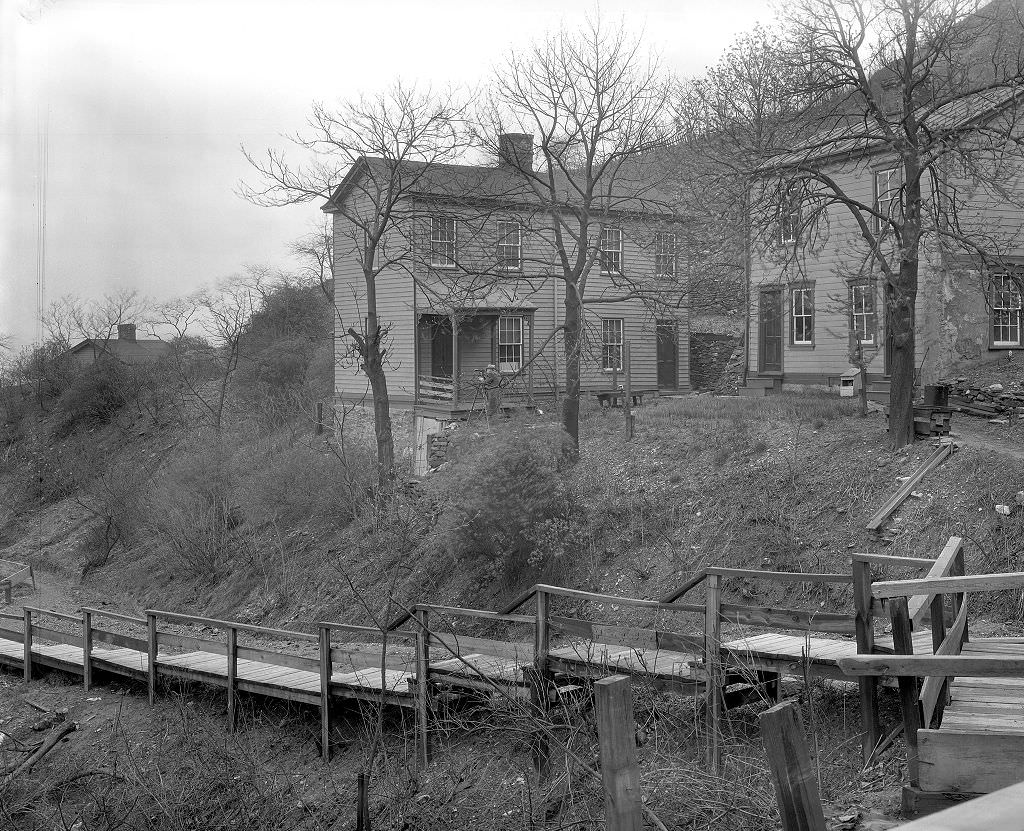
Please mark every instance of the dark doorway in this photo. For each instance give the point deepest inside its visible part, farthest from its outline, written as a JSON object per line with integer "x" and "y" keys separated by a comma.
{"x": 770, "y": 353}
{"x": 668, "y": 355}
{"x": 441, "y": 348}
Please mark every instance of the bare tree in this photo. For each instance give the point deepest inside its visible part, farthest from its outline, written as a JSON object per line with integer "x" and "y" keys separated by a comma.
{"x": 930, "y": 87}
{"x": 598, "y": 108}
{"x": 70, "y": 318}
{"x": 368, "y": 159}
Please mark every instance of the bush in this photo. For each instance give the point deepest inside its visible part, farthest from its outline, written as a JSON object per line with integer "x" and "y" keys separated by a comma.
{"x": 94, "y": 398}
{"x": 504, "y": 499}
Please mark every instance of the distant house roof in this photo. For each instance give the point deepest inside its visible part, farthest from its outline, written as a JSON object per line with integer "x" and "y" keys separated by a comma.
{"x": 494, "y": 184}
{"x": 130, "y": 351}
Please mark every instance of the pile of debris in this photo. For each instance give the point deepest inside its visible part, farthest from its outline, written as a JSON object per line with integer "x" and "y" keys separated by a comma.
{"x": 990, "y": 401}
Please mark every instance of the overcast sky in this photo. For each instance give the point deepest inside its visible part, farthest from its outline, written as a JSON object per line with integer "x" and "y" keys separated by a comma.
{"x": 148, "y": 101}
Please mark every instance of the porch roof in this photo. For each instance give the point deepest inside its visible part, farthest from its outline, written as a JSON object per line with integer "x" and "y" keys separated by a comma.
{"x": 485, "y": 305}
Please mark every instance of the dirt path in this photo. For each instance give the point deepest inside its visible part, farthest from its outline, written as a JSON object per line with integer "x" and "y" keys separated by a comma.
{"x": 988, "y": 437}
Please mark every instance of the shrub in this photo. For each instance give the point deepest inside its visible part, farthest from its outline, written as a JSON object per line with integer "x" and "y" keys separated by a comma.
{"x": 94, "y": 398}
{"x": 504, "y": 499}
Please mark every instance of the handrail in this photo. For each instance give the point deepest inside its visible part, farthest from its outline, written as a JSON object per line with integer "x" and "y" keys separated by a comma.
{"x": 890, "y": 560}
{"x": 781, "y": 576}
{"x": 942, "y": 567}
{"x": 679, "y": 591}
{"x": 923, "y": 665}
{"x": 519, "y": 600}
{"x": 363, "y": 630}
{"x": 230, "y": 624}
{"x": 944, "y": 585}
{"x": 51, "y": 613}
{"x": 622, "y": 601}
{"x": 114, "y": 615}
{"x": 484, "y": 614}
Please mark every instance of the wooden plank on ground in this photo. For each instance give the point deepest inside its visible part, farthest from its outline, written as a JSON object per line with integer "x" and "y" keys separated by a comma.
{"x": 879, "y": 518}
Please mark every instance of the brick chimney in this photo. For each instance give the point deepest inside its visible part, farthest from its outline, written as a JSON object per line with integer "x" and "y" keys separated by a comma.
{"x": 126, "y": 331}
{"x": 515, "y": 150}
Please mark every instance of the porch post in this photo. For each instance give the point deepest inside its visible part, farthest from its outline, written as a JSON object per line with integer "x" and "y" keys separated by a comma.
{"x": 529, "y": 357}
{"x": 455, "y": 360}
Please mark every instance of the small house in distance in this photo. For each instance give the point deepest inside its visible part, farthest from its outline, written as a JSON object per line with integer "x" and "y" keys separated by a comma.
{"x": 126, "y": 347}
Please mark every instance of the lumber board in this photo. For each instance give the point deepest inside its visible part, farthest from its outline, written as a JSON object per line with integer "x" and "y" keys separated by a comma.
{"x": 891, "y": 560}
{"x": 830, "y": 622}
{"x": 267, "y": 656}
{"x": 918, "y": 605}
{"x": 780, "y": 576}
{"x": 921, "y": 665}
{"x": 174, "y": 640}
{"x": 945, "y": 585}
{"x": 962, "y": 760}
{"x": 141, "y": 621}
{"x": 618, "y": 600}
{"x": 997, "y": 811}
{"x": 216, "y": 623}
{"x": 47, "y": 634}
{"x": 117, "y": 639}
{"x": 882, "y": 514}
{"x": 54, "y": 614}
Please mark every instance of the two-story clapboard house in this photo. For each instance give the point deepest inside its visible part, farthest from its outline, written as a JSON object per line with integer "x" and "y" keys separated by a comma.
{"x": 480, "y": 288}
{"x": 816, "y": 295}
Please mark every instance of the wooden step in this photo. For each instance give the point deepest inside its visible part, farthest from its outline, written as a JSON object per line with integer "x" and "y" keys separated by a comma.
{"x": 970, "y": 761}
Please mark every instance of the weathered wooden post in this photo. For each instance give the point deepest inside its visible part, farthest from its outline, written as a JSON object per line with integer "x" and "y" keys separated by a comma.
{"x": 713, "y": 666}
{"x": 319, "y": 418}
{"x": 362, "y": 803}
{"x": 867, "y": 684}
{"x": 7, "y": 592}
{"x": 152, "y": 650}
{"x": 232, "y": 679}
{"x": 796, "y": 786}
{"x": 423, "y": 685}
{"x": 627, "y": 406}
{"x": 86, "y": 650}
{"x": 539, "y": 689}
{"x": 27, "y": 626}
{"x": 903, "y": 644}
{"x": 326, "y": 667}
{"x": 616, "y": 731}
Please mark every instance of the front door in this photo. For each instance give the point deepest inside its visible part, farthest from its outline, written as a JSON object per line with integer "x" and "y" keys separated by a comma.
{"x": 771, "y": 331}
{"x": 441, "y": 348}
{"x": 668, "y": 355}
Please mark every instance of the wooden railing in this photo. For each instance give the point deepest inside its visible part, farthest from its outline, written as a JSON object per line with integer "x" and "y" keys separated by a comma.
{"x": 436, "y": 388}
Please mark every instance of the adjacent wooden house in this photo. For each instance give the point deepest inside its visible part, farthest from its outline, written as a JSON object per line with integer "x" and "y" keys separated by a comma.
{"x": 472, "y": 282}
{"x": 126, "y": 347}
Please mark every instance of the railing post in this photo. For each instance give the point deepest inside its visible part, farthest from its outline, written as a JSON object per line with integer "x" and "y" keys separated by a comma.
{"x": 958, "y": 570}
{"x": 910, "y": 699}
{"x": 152, "y": 651}
{"x": 796, "y": 786}
{"x": 868, "y": 684}
{"x": 539, "y": 689}
{"x": 7, "y": 592}
{"x": 87, "y": 650}
{"x": 616, "y": 732}
{"x": 232, "y": 678}
{"x": 27, "y": 626}
{"x": 326, "y": 667}
{"x": 713, "y": 666}
{"x": 423, "y": 686}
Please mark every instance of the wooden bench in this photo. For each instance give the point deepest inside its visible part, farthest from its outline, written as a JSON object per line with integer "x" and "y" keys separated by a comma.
{"x": 614, "y": 398}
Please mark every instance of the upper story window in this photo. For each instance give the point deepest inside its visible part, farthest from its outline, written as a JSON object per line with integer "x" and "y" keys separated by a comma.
{"x": 610, "y": 251}
{"x": 611, "y": 343}
{"x": 510, "y": 343}
{"x": 802, "y": 315}
{"x": 1006, "y": 310}
{"x": 442, "y": 241}
{"x": 863, "y": 319}
{"x": 887, "y": 196}
{"x": 789, "y": 213}
{"x": 665, "y": 255}
{"x": 510, "y": 245}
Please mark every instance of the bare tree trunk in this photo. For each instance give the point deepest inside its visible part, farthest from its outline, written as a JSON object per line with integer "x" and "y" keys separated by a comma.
{"x": 573, "y": 336}
{"x": 374, "y": 364}
{"x": 900, "y": 311}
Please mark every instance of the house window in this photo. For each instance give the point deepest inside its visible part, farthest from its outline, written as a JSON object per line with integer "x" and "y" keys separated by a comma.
{"x": 510, "y": 343}
{"x": 789, "y": 214}
{"x": 863, "y": 319}
{"x": 510, "y": 246}
{"x": 665, "y": 255}
{"x": 887, "y": 196}
{"x": 611, "y": 348}
{"x": 1006, "y": 310}
{"x": 802, "y": 315}
{"x": 610, "y": 251}
{"x": 442, "y": 241}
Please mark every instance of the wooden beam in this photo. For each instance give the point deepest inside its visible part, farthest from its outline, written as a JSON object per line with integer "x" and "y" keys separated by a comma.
{"x": 151, "y": 650}
{"x": 325, "y": 692}
{"x": 998, "y": 811}
{"x": 867, "y": 685}
{"x": 942, "y": 568}
{"x": 789, "y": 619}
{"x": 86, "y": 650}
{"x": 945, "y": 585}
{"x": 889, "y": 560}
{"x": 26, "y": 614}
{"x": 910, "y": 702}
{"x": 796, "y": 786}
{"x": 423, "y": 686}
{"x": 713, "y": 667}
{"x": 541, "y": 676}
{"x": 922, "y": 665}
{"x": 780, "y": 576}
{"x": 232, "y": 679}
{"x": 616, "y": 732}
{"x": 897, "y": 499}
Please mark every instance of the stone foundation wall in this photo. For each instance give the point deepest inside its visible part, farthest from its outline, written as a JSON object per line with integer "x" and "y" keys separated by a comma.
{"x": 709, "y": 356}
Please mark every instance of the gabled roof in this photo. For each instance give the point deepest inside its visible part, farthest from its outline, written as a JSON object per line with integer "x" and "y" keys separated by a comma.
{"x": 147, "y": 349}
{"x": 495, "y": 185}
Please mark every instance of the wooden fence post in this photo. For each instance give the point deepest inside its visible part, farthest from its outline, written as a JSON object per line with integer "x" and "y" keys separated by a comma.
{"x": 7, "y": 592}
{"x": 27, "y": 626}
{"x": 87, "y": 650}
{"x": 713, "y": 666}
{"x": 910, "y": 700}
{"x": 868, "y": 684}
{"x": 796, "y": 786}
{"x": 627, "y": 404}
{"x": 958, "y": 570}
{"x": 152, "y": 650}
{"x": 616, "y": 732}
{"x": 422, "y": 617}
{"x": 362, "y": 803}
{"x": 232, "y": 678}
{"x": 539, "y": 689}
{"x": 326, "y": 667}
